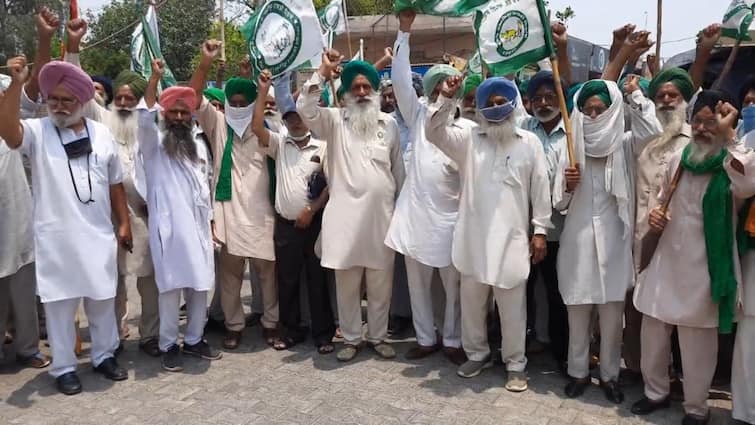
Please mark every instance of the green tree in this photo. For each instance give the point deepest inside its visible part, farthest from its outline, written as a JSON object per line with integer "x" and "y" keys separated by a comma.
{"x": 235, "y": 50}
{"x": 184, "y": 24}
{"x": 17, "y": 30}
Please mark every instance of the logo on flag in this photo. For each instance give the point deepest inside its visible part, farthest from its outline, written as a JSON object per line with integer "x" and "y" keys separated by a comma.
{"x": 278, "y": 38}
{"x": 512, "y": 30}
{"x": 331, "y": 16}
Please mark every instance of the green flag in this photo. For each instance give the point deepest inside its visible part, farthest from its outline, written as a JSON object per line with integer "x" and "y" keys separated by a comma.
{"x": 512, "y": 34}
{"x": 440, "y": 7}
{"x": 333, "y": 20}
{"x": 145, "y": 46}
{"x": 737, "y": 20}
{"x": 283, "y": 35}
{"x": 474, "y": 65}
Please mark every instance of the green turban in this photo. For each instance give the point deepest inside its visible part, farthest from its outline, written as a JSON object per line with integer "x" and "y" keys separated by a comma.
{"x": 523, "y": 87}
{"x": 214, "y": 93}
{"x": 570, "y": 96}
{"x": 471, "y": 83}
{"x": 594, "y": 88}
{"x": 242, "y": 86}
{"x": 354, "y": 68}
{"x": 134, "y": 81}
{"x": 644, "y": 84}
{"x": 677, "y": 76}
{"x": 436, "y": 75}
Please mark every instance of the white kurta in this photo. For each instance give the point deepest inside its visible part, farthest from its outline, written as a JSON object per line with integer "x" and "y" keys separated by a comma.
{"x": 16, "y": 243}
{"x": 428, "y": 206}
{"x": 595, "y": 263}
{"x": 74, "y": 243}
{"x": 675, "y": 288}
{"x": 501, "y": 181}
{"x": 178, "y": 197}
{"x": 650, "y": 175}
{"x": 364, "y": 176}
{"x": 743, "y": 366}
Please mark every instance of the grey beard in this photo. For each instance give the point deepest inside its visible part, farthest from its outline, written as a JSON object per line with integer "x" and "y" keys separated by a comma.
{"x": 65, "y": 121}
{"x": 123, "y": 125}
{"x": 363, "y": 117}
{"x": 700, "y": 151}
{"x": 501, "y": 132}
{"x": 548, "y": 117}
{"x": 179, "y": 142}
{"x": 672, "y": 122}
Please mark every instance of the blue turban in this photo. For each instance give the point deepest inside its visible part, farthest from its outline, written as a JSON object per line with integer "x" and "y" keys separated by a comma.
{"x": 543, "y": 78}
{"x": 107, "y": 84}
{"x": 496, "y": 86}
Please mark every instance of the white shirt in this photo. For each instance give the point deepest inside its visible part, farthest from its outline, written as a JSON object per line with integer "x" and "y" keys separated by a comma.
{"x": 16, "y": 243}
{"x": 293, "y": 167}
{"x": 75, "y": 245}
{"x": 500, "y": 182}
{"x": 180, "y": 210}
{"x": 364, "y": 175}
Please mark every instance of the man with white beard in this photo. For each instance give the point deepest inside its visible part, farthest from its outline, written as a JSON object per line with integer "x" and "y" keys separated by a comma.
{"x": 365, "y": 172}
{"x": 671, "y": 89}
{"x": 122, "y": 120}
{"x": 692, "y": 280}
{"x": 427, "y": 208}
{"x": 77, "y": 190}
{"x": 177, "y": 169}
{"x": 503, "y": 177}
{"x": 595, "y": 266}
{"x": 243, "y": 214}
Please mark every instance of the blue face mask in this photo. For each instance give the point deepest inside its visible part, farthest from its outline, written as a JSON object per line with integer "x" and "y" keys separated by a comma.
{"x": 748, "y": 118}
{"x": 497, "y": 113}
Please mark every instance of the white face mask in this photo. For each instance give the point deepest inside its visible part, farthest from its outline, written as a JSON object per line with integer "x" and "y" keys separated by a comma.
{"x": 239, "y": 118}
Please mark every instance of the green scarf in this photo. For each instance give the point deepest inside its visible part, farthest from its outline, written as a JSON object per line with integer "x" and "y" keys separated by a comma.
{"x": 745, "y": 242}
{"x": 224, "y": 187}
{"x": 719, "y": 235}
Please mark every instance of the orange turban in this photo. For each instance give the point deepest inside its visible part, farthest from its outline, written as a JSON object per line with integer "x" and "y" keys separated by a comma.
{"x": 175, "y": 94}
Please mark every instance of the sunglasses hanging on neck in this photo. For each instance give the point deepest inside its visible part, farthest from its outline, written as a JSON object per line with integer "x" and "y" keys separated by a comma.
{"x": 74, "y": 150}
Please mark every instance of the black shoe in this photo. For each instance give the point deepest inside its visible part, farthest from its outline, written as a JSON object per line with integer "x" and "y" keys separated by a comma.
{"x": 118, "y": 351}
{"x": 172, "y": 361}
{"x": 399, "y": 325}
{"x": 647, "y": 406}
{"x": 68, "y": 383}
{"x": 213, "y": 325}
{"x": 612, "y": 392}
{"x": 150, "y": 347}
{"x": 109, "y": 367}
{"x": 695, "y": 420}
{"x": 576, "y": 387}
{"x": 202, "y": 350}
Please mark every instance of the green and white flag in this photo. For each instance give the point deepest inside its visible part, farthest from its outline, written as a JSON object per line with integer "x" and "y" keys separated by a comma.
{"x": 440, "y": 7}
{"x": 145, "y": 46}
{"x": 333, "y": 20}
{"x": 474, "y": 65}
{"x": 511, "y": 34}
{"x": 737, "y": 20}
{"x": 284, "y": 35}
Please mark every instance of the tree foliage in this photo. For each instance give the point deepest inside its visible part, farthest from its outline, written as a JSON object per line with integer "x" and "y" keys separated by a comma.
{"x": 183, "y": 24}
{"x": 17, "y": 30}
{"x": 235, "y": 50}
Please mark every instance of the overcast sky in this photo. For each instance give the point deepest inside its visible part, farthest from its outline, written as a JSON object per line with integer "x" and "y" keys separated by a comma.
{"x": 597, "y": 18}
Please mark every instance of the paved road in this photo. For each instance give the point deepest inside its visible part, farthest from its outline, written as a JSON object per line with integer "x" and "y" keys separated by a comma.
{"x": 256, "y": 384}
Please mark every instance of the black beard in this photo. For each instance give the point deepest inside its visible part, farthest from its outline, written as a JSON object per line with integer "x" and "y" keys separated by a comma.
{"x": 179, "y": 141}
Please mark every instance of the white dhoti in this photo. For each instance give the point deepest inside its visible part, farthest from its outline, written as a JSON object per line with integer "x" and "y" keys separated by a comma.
{"x": 420, "y": 278}
{"x": 61, "y": 331}
{"x": 196, "y": 316}
{"x": 379, "y": 285}
{"x": 512, "y": 307}
{"x": 743, "y": 372}
{"x": 580, "y": 329}
{"x": 699, "y": 348}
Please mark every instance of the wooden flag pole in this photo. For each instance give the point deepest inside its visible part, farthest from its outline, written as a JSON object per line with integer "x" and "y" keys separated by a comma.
{"x": 729, "y": 64}
{"x": 348, "y": 30}
{"x": 222, "y": 31}
{"x": 564, "y": 111}
{"x": 659, "y": 32}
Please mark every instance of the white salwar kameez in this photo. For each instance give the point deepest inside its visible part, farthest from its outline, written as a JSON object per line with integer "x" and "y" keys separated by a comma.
{"x": 364, "y": 175}
{"x": 178, "y": 198}
{"x": 595, "y": 266}
{"x": 675, "y": 289}
{"x": 74, "y": 243}
{"x": 500, "y": 182}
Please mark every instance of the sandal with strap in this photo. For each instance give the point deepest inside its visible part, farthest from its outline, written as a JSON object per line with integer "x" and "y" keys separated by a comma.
{"x": 326, "y": 348}
{"x": 283, "y": 343}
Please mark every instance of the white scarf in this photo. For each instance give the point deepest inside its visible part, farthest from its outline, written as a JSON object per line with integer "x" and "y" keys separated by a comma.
{"x": 603, "y": 137}
{"x": 238, "y": 118}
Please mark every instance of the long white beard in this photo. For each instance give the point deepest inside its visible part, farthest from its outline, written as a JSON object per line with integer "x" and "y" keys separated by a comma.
{"x": 65, "y": 120}
{"x": 672, "y": 122}
{"x": 502, "y": 132}
{"x": 364, "y": 116}
{"x": 122, "y": 126}
{"x": 700, "y": 151}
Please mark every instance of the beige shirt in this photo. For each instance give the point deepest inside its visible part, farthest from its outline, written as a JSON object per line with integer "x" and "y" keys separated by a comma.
{"x": 245, "y": 223}
{"x": 293, "y": 167}
{"x": 675, "y": 288}
{"x": 364, "y": 177}
{"x": 650, "y": 174}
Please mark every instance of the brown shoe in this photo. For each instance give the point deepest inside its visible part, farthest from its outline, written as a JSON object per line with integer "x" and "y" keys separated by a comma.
{"x": 457, "y": 356}
{"x": 420, "y": 352}
{"x": 232, "y": 340}
{"x": 37, "y": 361}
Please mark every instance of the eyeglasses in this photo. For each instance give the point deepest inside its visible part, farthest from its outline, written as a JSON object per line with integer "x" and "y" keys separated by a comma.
{"x": 707, "y": 124}
{"x": 64, "y": 101}
{"x": 548, "y": 98}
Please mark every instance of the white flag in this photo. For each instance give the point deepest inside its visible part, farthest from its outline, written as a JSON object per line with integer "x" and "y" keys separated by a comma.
{"x": 333, "y": 20}
{"x": 512, "y": 34}
{"x": 145, "y": 46}
{"x": 283, "y": 35}
{"x": 737, "y": 20}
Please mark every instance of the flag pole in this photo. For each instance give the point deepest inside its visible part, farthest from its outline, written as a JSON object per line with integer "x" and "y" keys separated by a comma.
{"x": 348, "y": 30}
{"x": 659, "y": 31}
{"x": 729, "y": 64}
{"x": 222, "y": 31}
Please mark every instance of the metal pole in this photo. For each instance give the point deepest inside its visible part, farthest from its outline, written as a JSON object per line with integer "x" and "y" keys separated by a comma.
{"x": 659, "y": 31}
{"x": 222, "y": 30}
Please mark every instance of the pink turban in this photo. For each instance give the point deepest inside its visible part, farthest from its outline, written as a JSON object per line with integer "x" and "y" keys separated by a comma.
{"x": 70, "y": 77}
{"x": 174, "y": 94}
